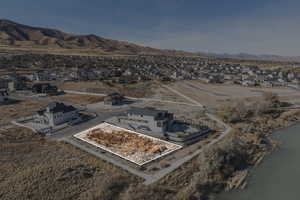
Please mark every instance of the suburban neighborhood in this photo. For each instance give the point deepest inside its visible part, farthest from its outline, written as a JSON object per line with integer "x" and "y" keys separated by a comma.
{"x": 129, "y": 70}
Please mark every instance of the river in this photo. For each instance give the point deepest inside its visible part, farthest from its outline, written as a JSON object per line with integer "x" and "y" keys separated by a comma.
{"x": 278, "y": 177}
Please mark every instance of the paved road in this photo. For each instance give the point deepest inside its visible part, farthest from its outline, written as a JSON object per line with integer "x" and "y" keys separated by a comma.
{"x": 69, "y": 131}
{"x": 205, "y": 90}
{"x": 6, "y": 127}
{"x": 184, "y": 96}
{"x": 132, "y": 98}
{"x": 175, "y": 165}
{"x": 294, "y": 88}
{"x": 85, "y": 93}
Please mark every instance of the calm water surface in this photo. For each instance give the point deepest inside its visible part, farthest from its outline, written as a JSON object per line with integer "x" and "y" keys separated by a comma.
{"x": 278, "y": 178}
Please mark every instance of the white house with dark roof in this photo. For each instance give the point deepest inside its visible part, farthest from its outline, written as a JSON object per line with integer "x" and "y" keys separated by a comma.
{"x": 57, "y": 113}
{"x": 161, "y": 124}
{"x": 148, "y": 119}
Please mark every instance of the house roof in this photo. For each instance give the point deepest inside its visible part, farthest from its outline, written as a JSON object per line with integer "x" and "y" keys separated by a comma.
{"x": 145, "y": 111}
{"x": 60, "y": 107}
{"x": 115, "y": 94}
{"x": 55, "y": 107}
{"x": 41, "y": 84}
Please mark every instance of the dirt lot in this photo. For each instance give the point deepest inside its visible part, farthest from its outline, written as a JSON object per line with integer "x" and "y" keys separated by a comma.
{"x": 19, "y": 109}
{"x": 166, "y": 95}
{"x": 77, "y": 99}
{"x": 85, "y": 86}
{"x": 213, "y": 95}
{"x": 130, "y": 145}
{"x": 142, "y": 89}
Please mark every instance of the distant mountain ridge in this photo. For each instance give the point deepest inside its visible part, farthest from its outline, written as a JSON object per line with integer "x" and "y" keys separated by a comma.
{"x": 19, "y": 36}
{"x": 13, "y": 34}
{"x": 245, "y": 56}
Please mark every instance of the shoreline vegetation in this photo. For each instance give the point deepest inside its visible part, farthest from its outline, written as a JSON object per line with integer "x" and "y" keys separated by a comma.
{"x": 253, "y": 125}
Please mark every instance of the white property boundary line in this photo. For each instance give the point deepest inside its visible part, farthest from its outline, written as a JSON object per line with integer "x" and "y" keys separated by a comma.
{"x": 79, "y": 136}
{"x": 24, "y": 126}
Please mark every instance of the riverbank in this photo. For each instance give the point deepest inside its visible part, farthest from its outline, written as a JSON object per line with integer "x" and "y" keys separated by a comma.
{"x": 278, "y": 176}
{"x": 256, "y": 137}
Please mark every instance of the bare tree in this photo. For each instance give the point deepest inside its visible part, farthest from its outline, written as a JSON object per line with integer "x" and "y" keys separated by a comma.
{"x": 272, "y": 99}
{"x": 235, "y": 112}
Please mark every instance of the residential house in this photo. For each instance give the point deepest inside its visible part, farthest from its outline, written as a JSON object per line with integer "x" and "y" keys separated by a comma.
{"x": 148, "y": 119}
{"x": 40, "y": 76}
{"x": 13, "y": 82}
{"x": 56, "y": 113}
{"x": 161, "y": 123}
{"x": 44, "y": 88}
{"x": 114, "y": 98}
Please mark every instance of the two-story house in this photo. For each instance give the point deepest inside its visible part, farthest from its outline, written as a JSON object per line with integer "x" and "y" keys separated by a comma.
{"x": 56, "y": 113}
{"x": 147, "y": 119}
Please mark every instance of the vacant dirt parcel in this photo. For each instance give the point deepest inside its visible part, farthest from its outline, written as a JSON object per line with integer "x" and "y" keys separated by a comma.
{"x": 135, "y": 147}
{"x": 212, "y": 95}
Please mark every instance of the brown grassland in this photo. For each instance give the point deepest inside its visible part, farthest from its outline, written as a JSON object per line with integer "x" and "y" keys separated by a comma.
{"x": 32, "y": 168}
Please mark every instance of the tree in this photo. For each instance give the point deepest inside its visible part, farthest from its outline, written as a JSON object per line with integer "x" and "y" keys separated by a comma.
{"x": 272, "y": 99}
{"x": 235, "y": 112}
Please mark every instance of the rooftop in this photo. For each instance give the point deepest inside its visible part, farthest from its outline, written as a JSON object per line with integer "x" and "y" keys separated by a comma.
{"x": 55, "y": 107}
{"x": 145, "y": 111}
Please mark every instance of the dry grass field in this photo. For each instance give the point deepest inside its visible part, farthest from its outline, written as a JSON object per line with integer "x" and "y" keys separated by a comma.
{"x": 141, "y": 89}
{"x": 20, "y": 109}
{"x": 213, "y": 95}
{"x": 34, "y": 168}
{"x": 77, "y": 99}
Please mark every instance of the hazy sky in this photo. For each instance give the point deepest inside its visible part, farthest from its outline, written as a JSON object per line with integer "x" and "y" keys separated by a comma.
{"x": 222, "y": 26}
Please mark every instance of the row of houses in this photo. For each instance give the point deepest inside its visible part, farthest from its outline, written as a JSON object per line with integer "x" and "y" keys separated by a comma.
{"x": 128, "y": 70}
{"x": 44, "y": 88}
{"x": 208, "y": 72}
{"x": 12, "y": 82}
{"x": 149, "y": 121}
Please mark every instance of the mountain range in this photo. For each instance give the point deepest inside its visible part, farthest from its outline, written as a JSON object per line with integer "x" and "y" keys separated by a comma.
{"x": 17, "y": 35}
{"x": 245, "y": 56}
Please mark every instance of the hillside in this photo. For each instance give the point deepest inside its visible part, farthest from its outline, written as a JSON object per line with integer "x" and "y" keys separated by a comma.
{"x": 19, "y": 37}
